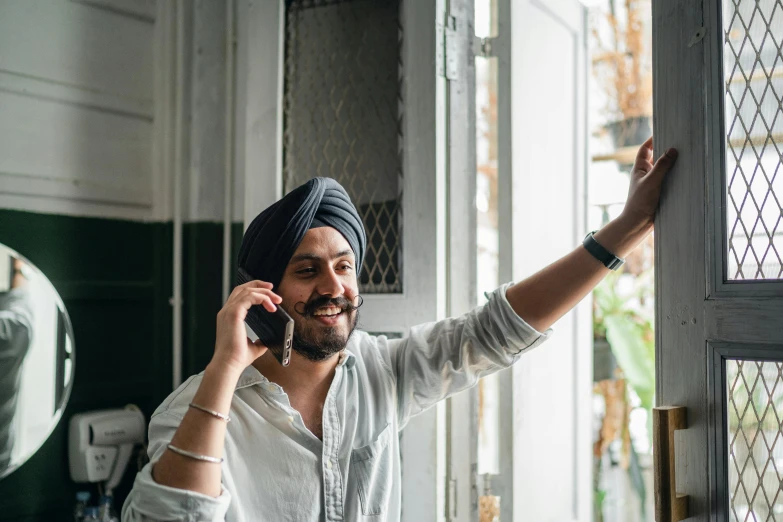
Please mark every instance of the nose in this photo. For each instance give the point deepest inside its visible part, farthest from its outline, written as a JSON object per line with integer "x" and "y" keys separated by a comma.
{"x": 330, "y": 284}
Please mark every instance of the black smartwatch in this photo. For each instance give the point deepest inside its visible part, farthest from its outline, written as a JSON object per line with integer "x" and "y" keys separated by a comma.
{"x": 609, "y": 260}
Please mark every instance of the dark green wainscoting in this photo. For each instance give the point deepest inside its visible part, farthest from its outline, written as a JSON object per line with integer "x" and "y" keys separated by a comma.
{"x": 202, "y": 289}
{"x": 115, "y": 278}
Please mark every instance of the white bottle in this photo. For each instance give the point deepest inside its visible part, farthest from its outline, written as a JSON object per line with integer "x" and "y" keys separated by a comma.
{"x": 82, "y": 499}
{"x": 106, "y": 511}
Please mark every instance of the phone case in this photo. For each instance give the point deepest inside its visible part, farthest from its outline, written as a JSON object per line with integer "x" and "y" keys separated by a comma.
{"x": 274, "y": 329}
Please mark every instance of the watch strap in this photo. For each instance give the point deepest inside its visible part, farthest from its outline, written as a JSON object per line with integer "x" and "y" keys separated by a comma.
{"x": 609, "y": 260}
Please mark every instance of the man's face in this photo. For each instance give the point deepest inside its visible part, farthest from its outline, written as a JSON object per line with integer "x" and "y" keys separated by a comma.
{"x": 318, "y": 288}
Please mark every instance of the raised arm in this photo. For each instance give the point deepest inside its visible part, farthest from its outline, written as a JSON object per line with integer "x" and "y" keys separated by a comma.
{"x": 547, "y": 295}
{"x": 441, "y": 358}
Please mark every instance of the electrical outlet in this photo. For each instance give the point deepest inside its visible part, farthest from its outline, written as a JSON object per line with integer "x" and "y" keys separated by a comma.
{"x": 99, "y": 462}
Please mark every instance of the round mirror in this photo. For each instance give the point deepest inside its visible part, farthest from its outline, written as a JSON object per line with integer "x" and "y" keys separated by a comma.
{"x": 36, "y": 359}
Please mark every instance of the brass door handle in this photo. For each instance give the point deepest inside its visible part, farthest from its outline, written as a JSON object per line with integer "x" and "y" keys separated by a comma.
{"x": 669, "y": 506}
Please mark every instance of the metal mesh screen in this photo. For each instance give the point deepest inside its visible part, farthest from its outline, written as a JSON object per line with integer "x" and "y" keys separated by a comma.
{"x": 755, "y": 411}
{"x": 342, "y": 117}
{"x": 753, "y": 69}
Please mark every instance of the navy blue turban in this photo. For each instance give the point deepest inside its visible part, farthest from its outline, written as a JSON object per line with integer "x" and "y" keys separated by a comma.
{"x": 274, "y": 235}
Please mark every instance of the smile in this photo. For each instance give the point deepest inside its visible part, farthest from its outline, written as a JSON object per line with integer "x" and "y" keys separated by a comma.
{"x": 330, "y": 311}
{"x": 328, "y": 316}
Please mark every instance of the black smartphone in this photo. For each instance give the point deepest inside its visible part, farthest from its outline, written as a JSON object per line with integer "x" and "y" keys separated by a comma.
{"x": 274, "y": 329}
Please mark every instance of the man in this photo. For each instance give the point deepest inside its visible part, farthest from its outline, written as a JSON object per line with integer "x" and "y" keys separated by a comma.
{"x": 16, "y": 337}
{"x": 318, "y": 440}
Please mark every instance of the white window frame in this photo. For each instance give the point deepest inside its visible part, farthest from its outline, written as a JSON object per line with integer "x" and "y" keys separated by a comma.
{"x": 517, "y": 260}
{"x": 514, "y": 483}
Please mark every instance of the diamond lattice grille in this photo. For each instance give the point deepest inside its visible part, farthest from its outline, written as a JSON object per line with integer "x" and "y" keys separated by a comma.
{"x": 753, "y": 68}
{"x": 342, "y": 114}
{"x": 755, "y": 410}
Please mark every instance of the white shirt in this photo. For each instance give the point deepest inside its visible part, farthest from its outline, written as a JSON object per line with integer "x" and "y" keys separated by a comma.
{"x": 276, "y": 470}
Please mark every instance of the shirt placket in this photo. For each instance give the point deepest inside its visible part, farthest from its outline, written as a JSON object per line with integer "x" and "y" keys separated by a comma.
{"x": 333, "y": 481}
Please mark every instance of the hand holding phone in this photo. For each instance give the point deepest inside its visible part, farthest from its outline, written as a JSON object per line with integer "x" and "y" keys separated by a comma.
{"x": 233, "y": 350}
{"x": 274, "y": 329}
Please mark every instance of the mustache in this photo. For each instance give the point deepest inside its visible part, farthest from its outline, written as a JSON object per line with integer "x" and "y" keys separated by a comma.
{"x": 342, "y": 303}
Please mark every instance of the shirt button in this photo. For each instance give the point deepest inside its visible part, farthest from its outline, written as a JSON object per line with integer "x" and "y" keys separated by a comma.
{"x": 329, "y": 464}
{"x": 291, "y": 419}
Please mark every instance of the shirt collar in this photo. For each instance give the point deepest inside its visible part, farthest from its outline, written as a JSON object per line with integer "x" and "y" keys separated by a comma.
{"x": 347, "y": 359}
{"x": 251, "y": 376}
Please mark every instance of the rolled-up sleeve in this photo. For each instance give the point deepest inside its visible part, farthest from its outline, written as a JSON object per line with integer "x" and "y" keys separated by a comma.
{"x": 149, "y": 501}
{"x": 441, "y": 358}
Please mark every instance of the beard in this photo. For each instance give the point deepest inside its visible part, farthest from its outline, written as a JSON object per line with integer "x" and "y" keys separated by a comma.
{"x": 318, "y": 343}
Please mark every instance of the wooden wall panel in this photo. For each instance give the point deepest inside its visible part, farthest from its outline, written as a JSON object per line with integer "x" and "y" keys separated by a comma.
{"x": 78, "y": 45}
{"x": 78, "y": 108}
{"x": 59, "y": 149}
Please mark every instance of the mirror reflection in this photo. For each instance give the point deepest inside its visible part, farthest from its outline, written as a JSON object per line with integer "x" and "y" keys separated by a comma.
{"x": 36, "y": 359}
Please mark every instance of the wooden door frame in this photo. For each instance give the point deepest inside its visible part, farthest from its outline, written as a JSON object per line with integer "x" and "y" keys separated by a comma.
{"x": 701, "y": 319}
{"x": 681, "y": 240}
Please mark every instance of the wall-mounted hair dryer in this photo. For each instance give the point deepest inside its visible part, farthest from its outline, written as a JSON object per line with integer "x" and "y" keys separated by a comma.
{"x": 100, "y": 444}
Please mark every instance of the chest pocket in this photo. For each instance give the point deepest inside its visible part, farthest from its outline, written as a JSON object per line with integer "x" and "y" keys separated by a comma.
{"x": 372, "y": 465}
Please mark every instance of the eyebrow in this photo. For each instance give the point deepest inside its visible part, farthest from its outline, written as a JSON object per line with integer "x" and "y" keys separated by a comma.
{"x": 312, "y": 257}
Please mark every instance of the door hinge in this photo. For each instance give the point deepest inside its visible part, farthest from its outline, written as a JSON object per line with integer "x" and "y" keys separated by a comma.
{"x": 449, "y": 57}
{"x": 484, "y": 47}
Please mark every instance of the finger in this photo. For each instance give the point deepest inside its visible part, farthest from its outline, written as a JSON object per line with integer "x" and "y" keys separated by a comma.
{"x": 259, "y": 298}
{"x": 664, "y": 163}
{"x": 266, "y": 291}
{"x": 256, "y": 344}
{"x": 250, "y": 284}
{"x": 644, "y": 156}
{"x": 258, "y": 284}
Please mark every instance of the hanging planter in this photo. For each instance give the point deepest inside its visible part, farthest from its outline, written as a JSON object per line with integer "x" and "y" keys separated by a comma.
{"x": 630, "y": 132}
{"x": 622, "y": 64}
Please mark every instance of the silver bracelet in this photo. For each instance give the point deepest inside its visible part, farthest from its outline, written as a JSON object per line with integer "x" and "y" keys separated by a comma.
{"x": 190, "y": 454}
{"x": 211, "y": 412}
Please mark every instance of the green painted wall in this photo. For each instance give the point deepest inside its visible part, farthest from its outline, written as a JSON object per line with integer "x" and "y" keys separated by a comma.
{"x": 202, "y": 289}
{"x": 115, "y": 278}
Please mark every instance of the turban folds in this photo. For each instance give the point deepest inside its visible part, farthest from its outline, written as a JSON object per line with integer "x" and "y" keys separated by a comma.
{"x": 274, "y": 235}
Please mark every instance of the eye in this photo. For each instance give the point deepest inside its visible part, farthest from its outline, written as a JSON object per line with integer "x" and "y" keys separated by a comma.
{"x": 346, "y": 267}
{"x": 306, "y": 271}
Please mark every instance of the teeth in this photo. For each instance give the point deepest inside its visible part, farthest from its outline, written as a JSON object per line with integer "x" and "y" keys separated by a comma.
{"x": 327, "y": 311}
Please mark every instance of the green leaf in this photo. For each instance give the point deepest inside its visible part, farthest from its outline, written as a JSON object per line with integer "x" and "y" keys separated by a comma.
{"x": 634, "y": 355}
